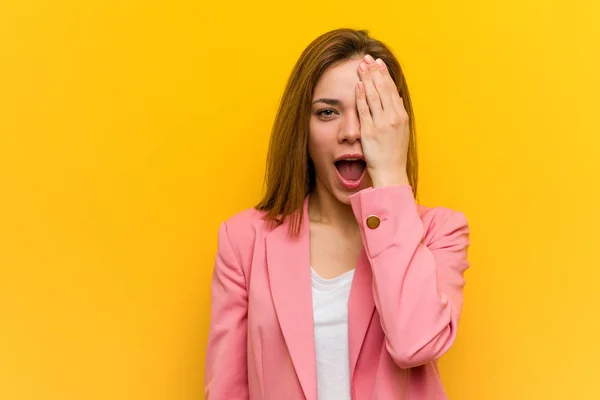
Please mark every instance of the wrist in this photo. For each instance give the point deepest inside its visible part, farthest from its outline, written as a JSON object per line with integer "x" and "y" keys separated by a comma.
{"x": 391, "y": 178}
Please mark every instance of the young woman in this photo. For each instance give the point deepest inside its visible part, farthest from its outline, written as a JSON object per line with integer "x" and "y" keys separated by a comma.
{"x": 338, "y": 285}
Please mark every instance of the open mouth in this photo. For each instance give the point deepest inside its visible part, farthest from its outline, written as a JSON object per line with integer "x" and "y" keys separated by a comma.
{"x": 351, "y": 169}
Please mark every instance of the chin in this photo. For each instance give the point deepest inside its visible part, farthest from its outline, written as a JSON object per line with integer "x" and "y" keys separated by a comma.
{"x": 336, "y": 189}
{"x": 343, "y": 195}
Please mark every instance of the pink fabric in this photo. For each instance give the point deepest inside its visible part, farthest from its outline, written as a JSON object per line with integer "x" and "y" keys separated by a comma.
{"x": 404, "y": 305}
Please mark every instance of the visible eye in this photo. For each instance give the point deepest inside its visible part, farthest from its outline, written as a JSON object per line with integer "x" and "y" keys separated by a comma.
{"x": 327, "y": 113}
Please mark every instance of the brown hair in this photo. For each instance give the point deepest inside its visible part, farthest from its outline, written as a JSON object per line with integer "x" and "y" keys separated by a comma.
{"x": 290, "y": 174}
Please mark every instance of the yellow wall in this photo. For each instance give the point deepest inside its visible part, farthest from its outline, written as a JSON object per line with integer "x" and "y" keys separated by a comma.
{"x": 115, "y": 171}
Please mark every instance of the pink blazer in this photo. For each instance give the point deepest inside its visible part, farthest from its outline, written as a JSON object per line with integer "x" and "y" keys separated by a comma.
{"x": 404, "y": 306}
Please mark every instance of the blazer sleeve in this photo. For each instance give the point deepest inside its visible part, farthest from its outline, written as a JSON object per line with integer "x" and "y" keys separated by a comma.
{"x": 226, "y": 376}
{"x": 417, "y": 286}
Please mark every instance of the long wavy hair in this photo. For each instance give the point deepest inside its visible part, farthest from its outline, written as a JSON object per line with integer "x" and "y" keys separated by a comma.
{"x": 290, "y": 174}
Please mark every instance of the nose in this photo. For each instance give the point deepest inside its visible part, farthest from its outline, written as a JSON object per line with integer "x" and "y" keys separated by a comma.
{"x": 350, "y": 129}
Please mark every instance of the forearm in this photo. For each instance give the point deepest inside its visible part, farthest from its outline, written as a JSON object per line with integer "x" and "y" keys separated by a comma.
{"x": 419, "y": 312}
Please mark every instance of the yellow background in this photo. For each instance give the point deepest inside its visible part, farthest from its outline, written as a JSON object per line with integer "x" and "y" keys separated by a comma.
{"x": 130, "y": 129}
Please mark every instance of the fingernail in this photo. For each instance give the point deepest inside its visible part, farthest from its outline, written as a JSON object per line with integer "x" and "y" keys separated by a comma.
{"x": 363, "y": 67}
{"x": 380, "y": 62}
{"x": 369, "y": 59}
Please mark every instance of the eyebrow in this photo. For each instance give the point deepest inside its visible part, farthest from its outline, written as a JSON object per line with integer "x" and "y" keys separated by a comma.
{"x": 331, "y": 102}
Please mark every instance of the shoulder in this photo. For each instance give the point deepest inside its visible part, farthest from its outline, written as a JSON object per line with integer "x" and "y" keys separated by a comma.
{"x": 241, "y": 230}
{"x": 244, "y": 222}
{"x": 437, "y": 214}
{"x": 440, "y": 222}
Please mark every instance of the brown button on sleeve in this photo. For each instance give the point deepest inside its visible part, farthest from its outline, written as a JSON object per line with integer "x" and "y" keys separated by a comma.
{"x": 373, "y": 221}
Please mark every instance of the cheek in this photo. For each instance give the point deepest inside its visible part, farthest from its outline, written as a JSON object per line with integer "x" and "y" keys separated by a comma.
{"x": 322, "y": 136}
{"x": 316, "y": 151}
{"x": 321, "y": 158}
{"x": 315, "y": 143}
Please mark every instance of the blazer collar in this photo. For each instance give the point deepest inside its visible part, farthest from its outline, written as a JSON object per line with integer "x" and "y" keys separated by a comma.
{"x": 288, "y": 265}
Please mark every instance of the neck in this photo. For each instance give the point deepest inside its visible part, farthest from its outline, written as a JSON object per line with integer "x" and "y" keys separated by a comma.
{"x": 324, "y": 208}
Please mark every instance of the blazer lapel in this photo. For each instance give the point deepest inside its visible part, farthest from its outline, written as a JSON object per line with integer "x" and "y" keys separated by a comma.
{"x": 360, "y": 308}
{"x": 288, "y": 265}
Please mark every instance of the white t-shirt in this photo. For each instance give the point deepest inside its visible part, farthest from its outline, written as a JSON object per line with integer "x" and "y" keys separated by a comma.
{"x": 330, "y": 308}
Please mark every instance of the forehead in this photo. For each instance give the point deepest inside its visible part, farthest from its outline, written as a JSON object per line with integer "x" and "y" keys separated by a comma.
{"x": 339, "y": 81}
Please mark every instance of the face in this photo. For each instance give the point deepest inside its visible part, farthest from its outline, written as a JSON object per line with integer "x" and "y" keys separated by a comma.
{"x": 334, "y": 133}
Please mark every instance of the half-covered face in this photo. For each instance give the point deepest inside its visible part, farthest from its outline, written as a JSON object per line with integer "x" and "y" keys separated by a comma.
{"x": 334, "y": 133}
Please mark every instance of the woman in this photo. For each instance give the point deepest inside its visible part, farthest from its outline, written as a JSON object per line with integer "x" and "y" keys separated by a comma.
{"x": 338, "y": 285}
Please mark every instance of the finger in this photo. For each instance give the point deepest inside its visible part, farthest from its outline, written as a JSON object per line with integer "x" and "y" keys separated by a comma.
{"x": 372, "y": 97}
{"x": 364, "y": 113}
{"x": 384, "y": 84}
{"x": 395, "y": 96}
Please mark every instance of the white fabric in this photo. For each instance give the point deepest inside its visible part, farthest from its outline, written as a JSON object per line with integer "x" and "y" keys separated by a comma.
{"x": 330, "y": 308}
